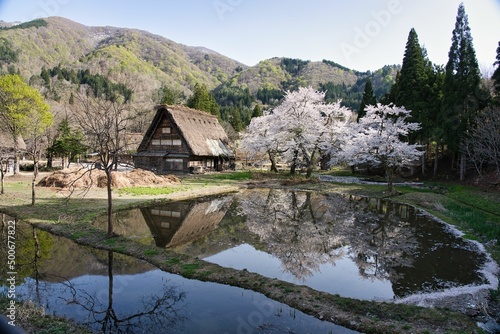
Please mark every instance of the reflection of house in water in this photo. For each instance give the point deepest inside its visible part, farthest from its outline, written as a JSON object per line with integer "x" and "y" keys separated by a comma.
{"x": 179, "y": 223}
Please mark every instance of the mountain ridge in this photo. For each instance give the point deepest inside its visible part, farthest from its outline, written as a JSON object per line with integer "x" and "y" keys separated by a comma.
{"x": 147, "y": 62}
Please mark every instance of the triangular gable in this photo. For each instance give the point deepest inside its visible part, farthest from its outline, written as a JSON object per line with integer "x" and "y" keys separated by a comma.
{"x": 200, "y": 131}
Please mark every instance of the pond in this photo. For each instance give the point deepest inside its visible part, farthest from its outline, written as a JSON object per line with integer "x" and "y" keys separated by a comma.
{"x": 113, "y": 293}
{"x": 355, "y": 247}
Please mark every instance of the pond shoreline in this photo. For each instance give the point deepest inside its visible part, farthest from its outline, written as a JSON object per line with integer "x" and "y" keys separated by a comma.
{"x": 364, "y": 316}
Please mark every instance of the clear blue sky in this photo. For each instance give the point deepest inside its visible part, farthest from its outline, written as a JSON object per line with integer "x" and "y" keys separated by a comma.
{"x": 359, "y": 34}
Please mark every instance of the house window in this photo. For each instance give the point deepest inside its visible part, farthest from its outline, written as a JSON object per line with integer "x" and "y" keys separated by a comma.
{"x": 166, "y": 130}
{"x": 165, "y": 213}
{"x": 174, "y": 164}
{"x": 176, "y": 142}
{"x": 195, "y": 163}
{"x": 166, "y": 142}
{"x": 156, "y": 142}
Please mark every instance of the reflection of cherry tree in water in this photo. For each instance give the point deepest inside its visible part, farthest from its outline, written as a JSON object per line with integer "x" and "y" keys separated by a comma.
{"x": 381, "y": 237}
{"x": 305, "y": 230}
{"x": 158, "y": 311}
{"x": 295, "y": 228}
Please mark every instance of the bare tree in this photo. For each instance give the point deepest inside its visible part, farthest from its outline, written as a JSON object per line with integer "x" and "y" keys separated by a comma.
{"x": 104, "y": 122}
{"x": 482, "y": 144}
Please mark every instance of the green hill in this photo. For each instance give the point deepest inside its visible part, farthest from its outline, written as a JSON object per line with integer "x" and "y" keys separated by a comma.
{"x": 145, "y": 63}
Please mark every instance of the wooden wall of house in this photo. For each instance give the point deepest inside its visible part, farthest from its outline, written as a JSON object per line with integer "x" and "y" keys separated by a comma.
{"x": 164, "y": 221}
{"x": 167, "y": 139}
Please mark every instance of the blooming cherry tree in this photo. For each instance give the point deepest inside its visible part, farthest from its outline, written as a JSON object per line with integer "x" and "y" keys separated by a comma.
{"x": 260, "y": 139}
{"x": 377, "y": 141}
{"x": 299, "y": 130}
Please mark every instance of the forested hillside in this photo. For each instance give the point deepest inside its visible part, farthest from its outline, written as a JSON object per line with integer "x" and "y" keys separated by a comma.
{"x": 57, "y": 55}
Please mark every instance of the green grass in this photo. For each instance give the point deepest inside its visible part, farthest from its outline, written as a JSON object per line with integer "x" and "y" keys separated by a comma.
{"x": 34, "y": 320}
{"x": 151, "y": 252}
{"x": 173, "y": 261}
{"x": 78, "y": 235}
{"x": 234, "y": 176}
{"x": 484, "y": 224}
{"x": 189, "y": 269}
{"x": 152, "y": 191}
{"x": 477, "y": 199}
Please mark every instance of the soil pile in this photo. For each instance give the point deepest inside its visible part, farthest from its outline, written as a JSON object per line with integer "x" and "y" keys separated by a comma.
{"x": 85, "y": 178}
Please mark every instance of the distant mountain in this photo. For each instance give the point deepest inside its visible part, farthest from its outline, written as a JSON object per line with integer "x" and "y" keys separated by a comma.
{"x": 146, "y": 62}
{"x": 107, "y": 50}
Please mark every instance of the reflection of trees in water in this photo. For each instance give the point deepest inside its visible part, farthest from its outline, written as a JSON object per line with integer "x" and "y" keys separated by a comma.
{"x": 380, "y": 236}
{"x": 305, "y": 230}
{"x": 294, "y": 226}
{"x": 30, "y": 248}
{"x": 158, "y": 312}
{"x": 35, "y": 250}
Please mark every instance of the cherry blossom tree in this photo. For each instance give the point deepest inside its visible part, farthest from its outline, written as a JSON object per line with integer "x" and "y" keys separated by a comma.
{"x": 259, "y": 139}
{"x": 377, "y": 141}
{"x": 299, "y": 130}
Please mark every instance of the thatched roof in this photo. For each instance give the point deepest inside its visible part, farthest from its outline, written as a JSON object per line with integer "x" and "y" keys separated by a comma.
{"x": 192, "y": 221}
{"x": 201, "y": 131}
{"x": 7, "y": 143}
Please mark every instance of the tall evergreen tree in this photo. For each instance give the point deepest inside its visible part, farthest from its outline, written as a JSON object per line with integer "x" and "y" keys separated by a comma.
{"x": 412, "y": 77}
{"x": 416, "y": 92}
{"x": 461, "y": 84}
{"x": 412, "y": 85}
{"x": 496, "y": 75}
{"x": 369, "y": 99}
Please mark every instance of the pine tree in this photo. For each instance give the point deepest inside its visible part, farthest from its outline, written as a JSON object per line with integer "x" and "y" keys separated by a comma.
{"x": 369, "y": 98}
{"x": 257, "y": 111}
{"x": 496, "y": 74}
{"x": 461, "y": 86}
{"x": 203, "y": 100}
{"x": 419, "y": 90}
{"x": 412, "y": 82}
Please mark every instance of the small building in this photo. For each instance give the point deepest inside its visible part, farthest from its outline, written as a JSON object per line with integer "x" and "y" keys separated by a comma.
{"x": 9, "y": 149}
{"x": 182, "y": 140}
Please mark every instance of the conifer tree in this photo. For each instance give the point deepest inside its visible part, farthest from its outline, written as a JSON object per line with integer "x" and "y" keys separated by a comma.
{"x": 496, "y": 75}
{"x": 369, "y": 98}
{"x": 412, "y": 76}
{"x": 461, "y": 84}
{"x": 257, "y": 111}
{"x": 203, "y": 100}
{"x": 412, "y": 84}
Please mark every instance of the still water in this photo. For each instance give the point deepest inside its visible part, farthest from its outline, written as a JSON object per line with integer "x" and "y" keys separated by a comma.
{"x": 113, "y": 293}
{"x": 355, "y": 247}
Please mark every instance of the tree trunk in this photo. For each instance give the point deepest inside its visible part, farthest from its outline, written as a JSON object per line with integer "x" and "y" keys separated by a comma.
{"x": 49, "y": 160}
{"x": 110, "y": 200}
{"x": 33, "y": 181}
{"x": 294, "y": 162}
{"x": 273, "y": 163}
{"x": 2, "y": 175}
{"x": 310, "y": 164}
{"x": 423, "y": 163}
{"x": 16, "y": 164}
{"x": 436, "y": 158}
{"x": 389, "y": 173}
{"x": 463, "y": 161}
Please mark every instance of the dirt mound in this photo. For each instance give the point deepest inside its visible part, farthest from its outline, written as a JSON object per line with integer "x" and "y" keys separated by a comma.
{"x": 84, "y": 178}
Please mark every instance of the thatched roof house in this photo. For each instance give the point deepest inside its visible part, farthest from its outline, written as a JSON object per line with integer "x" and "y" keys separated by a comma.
{"x": 182, "y": 139}
{"x": 180, "y": 223}
{"x": 7, "y": 147}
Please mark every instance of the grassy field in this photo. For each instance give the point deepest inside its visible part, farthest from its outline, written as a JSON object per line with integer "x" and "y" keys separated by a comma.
{"x": 474, "y": 211}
